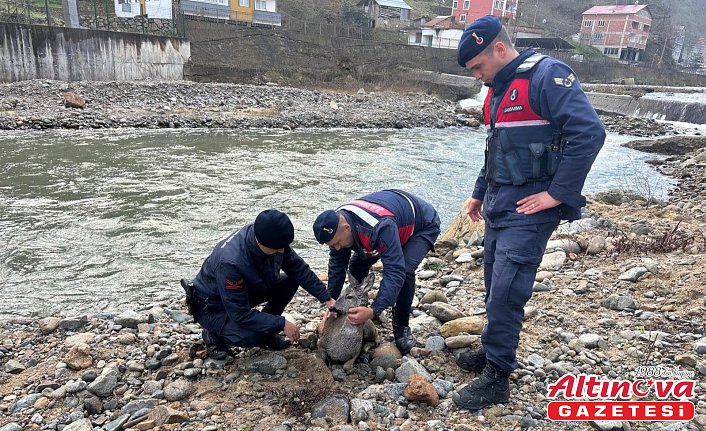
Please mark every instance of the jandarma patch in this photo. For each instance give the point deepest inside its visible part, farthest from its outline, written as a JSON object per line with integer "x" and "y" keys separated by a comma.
{"x": 515, "y": 108}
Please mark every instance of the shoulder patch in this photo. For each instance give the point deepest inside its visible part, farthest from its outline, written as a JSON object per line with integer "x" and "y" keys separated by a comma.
{"x": 565, "y": 82}
{"x": 236, "y": 284}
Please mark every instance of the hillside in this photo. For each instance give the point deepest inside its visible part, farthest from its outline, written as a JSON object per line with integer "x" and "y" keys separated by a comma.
{"x": 558, "y": 17}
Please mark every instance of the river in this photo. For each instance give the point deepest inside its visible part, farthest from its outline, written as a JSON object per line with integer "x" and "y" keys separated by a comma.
{"x": 109, "y": 220}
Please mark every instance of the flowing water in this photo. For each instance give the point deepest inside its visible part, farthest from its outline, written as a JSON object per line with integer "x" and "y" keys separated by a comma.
{"x": 109, "y": 220}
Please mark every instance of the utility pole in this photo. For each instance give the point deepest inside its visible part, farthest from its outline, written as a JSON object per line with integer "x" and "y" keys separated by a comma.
{"x": 514, "y": 29}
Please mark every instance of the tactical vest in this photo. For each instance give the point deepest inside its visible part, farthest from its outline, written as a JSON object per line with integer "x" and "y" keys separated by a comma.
{"x": 521, "y": 146}
{"x": 371, "y": 213}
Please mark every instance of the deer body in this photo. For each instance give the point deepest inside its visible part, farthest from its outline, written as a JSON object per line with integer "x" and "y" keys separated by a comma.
{"x": 340, "y": 340}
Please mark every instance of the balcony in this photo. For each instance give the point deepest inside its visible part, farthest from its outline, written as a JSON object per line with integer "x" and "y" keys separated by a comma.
{"x": 269, "y": 18}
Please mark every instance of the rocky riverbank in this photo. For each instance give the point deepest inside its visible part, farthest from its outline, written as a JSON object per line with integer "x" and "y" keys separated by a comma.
{"x": 40, "y": 104}
{"x": 43, "y": 104}
{"x": 620, "y": 288}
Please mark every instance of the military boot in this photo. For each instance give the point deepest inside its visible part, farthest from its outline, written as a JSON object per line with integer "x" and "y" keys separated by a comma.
{"x": 404, "y": 340}
{"x": 214, "y": 349}
{"x": 474, "y": 361}
{"x": 492, "y": 387}
{"x": 275, "y": 342}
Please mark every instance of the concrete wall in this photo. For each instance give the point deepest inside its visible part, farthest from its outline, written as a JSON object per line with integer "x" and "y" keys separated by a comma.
{"x": 67, "y": 54}
{"x": 649, "y": 108}
{"x": 228, "y": 53}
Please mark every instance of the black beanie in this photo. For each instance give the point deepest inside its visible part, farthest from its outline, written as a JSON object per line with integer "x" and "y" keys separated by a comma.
{"x": 273, "y": 229}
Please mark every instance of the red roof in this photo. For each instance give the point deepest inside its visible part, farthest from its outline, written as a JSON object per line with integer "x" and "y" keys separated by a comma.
{"x": 615, "y": 9}
{"x": 439, "y": 21}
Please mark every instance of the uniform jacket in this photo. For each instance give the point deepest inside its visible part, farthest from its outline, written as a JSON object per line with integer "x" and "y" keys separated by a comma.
{"x": 554, "y": 95}
{"x": 397, "y": 222}
{"x": 236, "y": 268}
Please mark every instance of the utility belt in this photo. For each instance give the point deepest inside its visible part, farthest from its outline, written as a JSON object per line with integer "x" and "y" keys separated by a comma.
{"x": 509, "y": 162}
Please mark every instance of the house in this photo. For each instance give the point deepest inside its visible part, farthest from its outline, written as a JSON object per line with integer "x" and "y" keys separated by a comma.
{"x": 467, "y": 11}
{"x": 386, "y": 13}
{"x": 440, "y": 32}
{"x": 619, "y": 31}
{"x": 151, "y": 8}
{"x": 250, "y": 11}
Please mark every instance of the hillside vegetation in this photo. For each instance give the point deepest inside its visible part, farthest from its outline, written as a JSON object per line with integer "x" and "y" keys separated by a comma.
{"x": 559, "y": 17}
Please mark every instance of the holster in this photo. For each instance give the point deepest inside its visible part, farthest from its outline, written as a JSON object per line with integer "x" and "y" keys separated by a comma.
{"x": 191, "y": 298}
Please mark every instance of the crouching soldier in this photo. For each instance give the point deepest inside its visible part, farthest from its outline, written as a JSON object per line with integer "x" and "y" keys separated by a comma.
{"x": 242, "y": 272}
{"x": 394, "y": 226}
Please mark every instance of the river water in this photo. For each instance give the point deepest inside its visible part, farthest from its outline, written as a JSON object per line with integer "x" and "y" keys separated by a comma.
{"x": 109, "y": 220}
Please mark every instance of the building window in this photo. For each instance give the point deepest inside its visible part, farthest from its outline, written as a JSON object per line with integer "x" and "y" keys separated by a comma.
{"x": 598, "y": 36}
{"x": 244, "y": 3}
{"x": 260, "y": 5}
{"x": 466, "y": 4}
{"x": 646, "y": 28}
{"x": 635, "y": 25}
{"x": 462, "y": 18}
{"x": 610, "y": 51}
{"x": 601, "y": 23}
{"x": 497, "y": 4}
{"x": 587, "y": 23}
{"x": 455, "y": 6}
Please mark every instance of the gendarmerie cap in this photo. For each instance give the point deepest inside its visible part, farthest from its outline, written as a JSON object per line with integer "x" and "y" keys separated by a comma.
{"x": 476, "y": 37}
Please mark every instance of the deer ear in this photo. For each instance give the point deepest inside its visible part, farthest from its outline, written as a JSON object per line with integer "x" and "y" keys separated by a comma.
{"x": 352, "y": 280}
{"x": 368, "y": 281}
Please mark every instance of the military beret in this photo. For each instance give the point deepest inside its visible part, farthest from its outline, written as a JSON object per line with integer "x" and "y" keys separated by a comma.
{"x": 325, "y": 226}
{"x": 476, "y": 37}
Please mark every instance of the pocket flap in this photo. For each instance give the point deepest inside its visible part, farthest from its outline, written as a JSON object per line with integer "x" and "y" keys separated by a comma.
{"x": 537, "y": 149}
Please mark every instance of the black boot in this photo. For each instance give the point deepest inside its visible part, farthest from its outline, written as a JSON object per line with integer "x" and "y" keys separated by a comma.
{"x": 404, "y": 340}
{"x": 474, "y": 361}
{"x": 492, "y": 387}
{"x": 275, "y": 342}
{"x": 214, "y": 349}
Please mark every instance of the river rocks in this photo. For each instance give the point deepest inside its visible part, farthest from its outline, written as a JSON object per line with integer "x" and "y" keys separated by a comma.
{"x": 14, "y": 367}
{"x": 79, "y": 357}
{"x": 336, "y": 407}
{"x": 553, "y": 261}
{"x": 409, "y": 368}
{"x": 618, "y": 302}
{"x": 418, "y": 389}
{"x": 385, "y": 356}
{"x": 202, "y": 105}
{"x": 105, "y": 383}
{"x": 633, "y": 274}
{"x": 433, "y": 296}
{"x": 461, "y": 341}
{"x": 73, "y": 100}
{"x": 445, "y": 312}
{"x": 178, "y": 390}
{"x": 47, "y": 325}
{"x": 587, "y": 323}
{"x": 471, "y": 325}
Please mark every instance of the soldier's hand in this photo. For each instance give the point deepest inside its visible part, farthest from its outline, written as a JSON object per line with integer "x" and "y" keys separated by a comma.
{"x": 328, "y": 310}
{"x": 536, "y": 203}
{"x": 291, "y": 331}
{"x": 474, "y": 208}
{"x": 359, "y": 315}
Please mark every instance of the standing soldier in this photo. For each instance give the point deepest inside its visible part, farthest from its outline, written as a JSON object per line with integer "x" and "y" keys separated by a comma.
{"x": 543, "y": 136}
